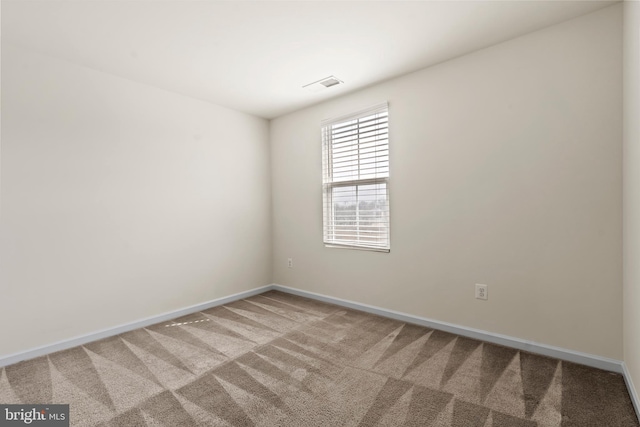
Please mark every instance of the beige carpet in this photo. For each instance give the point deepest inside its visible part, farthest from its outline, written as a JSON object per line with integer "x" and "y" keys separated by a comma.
{"x": 282, "y": 360}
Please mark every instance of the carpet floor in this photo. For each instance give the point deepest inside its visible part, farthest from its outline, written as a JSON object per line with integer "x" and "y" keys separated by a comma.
{"x": 281, "y": 360}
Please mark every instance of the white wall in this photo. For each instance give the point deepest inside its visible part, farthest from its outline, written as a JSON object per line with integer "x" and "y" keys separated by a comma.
{"x": 121, "y": 201}
{"x": 631, "y": 188}
{"x": 505, "y": 170}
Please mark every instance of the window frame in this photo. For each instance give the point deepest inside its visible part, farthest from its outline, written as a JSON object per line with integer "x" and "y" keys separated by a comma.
{"x": 329, "y": 183}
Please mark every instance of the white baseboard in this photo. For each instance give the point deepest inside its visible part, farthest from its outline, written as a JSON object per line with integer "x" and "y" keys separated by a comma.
{"x": 594, "y": 361}
{"x": 520, "y": 344}
{"x": 83, "y": 339}
{"x": 633, "y": 393}
{"x": 507, "y": 341}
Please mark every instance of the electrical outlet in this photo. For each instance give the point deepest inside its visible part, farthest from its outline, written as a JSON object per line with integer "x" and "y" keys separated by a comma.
{"x": 290, "y": 262}
{"x": 482, "y": 291}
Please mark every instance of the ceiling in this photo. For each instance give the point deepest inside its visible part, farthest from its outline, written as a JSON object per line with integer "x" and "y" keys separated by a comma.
{"x": 256, "y": 56}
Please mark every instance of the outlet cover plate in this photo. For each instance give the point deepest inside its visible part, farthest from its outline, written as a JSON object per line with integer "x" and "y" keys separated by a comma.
{"x": 482, "y": 291}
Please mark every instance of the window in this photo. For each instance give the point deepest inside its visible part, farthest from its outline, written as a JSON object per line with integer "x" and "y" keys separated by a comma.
{"x": 355, "y": 167}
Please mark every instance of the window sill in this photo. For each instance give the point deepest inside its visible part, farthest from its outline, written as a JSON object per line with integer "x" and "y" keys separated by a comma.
{"x": 358, "y": 248}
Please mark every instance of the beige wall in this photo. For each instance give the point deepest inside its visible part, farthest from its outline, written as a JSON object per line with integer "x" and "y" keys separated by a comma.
{"x": 505, "y": 170}
{"x": 121, "y": 201}
{"x": 632, "y": 190}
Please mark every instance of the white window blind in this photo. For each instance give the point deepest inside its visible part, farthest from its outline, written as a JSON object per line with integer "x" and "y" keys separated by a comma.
{"x": 355, "y": 165}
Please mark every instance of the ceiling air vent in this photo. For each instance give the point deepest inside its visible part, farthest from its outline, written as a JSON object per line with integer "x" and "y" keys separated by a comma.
{"x": 323, "y": 84}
